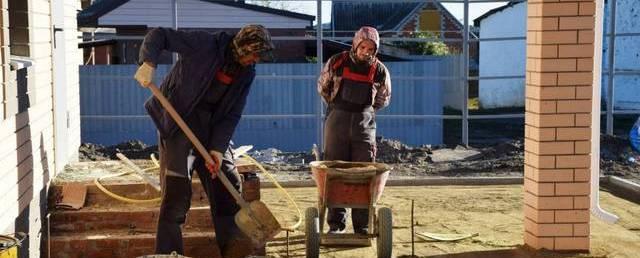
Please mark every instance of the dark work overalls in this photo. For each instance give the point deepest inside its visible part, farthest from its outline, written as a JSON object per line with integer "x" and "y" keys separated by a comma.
{"x": 177, "y": 157}
{"x": 350, "y": 130}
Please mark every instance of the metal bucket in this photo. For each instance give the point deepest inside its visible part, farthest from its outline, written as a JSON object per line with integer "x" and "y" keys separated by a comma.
{"x": 9, "y": 245}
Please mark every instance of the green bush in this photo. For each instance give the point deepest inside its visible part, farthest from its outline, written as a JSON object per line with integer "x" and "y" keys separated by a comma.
{"x": 434, "y": 47}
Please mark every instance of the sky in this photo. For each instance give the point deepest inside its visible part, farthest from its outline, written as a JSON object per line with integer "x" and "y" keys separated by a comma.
{"x": 309, "y": 7}
{"x": 475, "y": 9}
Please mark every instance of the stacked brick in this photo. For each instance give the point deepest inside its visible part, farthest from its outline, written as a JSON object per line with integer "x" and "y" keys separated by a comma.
{"x": 559, "y": 78}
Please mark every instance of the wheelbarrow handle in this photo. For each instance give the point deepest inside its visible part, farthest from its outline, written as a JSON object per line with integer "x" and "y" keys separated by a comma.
{"x": 198, "y": 145}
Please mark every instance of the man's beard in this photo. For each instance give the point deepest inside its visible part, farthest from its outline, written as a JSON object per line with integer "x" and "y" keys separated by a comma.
{"x": 362, "y": 61}
{"x": 365, "y": 59}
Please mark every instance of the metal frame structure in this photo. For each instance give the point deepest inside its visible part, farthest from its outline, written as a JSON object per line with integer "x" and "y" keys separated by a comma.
{"x": 610, "y": 72}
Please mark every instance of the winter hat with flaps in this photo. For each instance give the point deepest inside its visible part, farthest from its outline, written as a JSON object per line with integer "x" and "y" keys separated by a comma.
{"x": 361, "y": 35}
{"x": 364, "y": 33}
{"x": 253, "y": 39}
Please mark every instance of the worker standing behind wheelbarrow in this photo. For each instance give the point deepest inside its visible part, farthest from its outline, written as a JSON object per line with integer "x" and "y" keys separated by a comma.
{"x": 354, "y": 84}
{"x": 208, "y": 86}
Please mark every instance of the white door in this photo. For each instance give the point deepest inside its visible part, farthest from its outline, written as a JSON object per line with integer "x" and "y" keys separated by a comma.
{"x": 60, "y": 114}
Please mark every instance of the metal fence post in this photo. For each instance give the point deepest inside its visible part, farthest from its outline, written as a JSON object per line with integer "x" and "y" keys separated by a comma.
{"x": 174, "y": 16}
{"x": 611, "y": 65}
{"x": 465, "y": 82}
{"x": 319, "y": 61}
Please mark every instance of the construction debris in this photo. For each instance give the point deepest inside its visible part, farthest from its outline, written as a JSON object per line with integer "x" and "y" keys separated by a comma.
{"x": 500, "y": 159}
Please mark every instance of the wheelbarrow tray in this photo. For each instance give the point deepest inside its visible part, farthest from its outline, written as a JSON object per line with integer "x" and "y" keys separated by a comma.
{"x": 343, "y": 184}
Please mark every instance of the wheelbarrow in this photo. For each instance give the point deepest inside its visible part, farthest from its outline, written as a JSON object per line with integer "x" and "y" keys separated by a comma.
{"x": 344, "y": 184}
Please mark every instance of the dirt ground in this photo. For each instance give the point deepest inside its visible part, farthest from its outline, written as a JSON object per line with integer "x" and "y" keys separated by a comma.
{"x": 505, "y": 158}
{"x": 494, "y": 212}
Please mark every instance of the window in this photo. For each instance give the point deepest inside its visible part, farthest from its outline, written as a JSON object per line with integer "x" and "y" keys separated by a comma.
{"x": 18, "y": 27}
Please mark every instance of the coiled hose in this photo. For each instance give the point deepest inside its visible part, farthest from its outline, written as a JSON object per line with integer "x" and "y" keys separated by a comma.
{"x": 157, "y": 165}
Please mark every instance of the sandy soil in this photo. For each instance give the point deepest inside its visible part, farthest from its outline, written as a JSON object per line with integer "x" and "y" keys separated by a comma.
{"x": 494, "y": 212}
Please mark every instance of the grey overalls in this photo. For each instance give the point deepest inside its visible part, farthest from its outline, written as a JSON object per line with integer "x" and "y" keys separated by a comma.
{"x": 350, "y": 130}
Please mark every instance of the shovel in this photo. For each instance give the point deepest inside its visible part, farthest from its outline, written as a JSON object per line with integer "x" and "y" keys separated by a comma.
{"x": 254, "y": 219}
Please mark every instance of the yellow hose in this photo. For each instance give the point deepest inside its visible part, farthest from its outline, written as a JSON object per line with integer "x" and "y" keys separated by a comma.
{"x": 252, "y": 160}
{"x": 295, "y": 205}
{"x": 120, "y": 197}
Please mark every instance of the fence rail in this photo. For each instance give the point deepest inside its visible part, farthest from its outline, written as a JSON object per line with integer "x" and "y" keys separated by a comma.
{"x": 450, "y": 81}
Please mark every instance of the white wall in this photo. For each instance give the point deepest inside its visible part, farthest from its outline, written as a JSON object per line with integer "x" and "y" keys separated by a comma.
{"x": 503, "y": 58}
{"x": 26, "y": 122}
{"x": 194, "y": 14}
{"x": 508, "y": 58}
{"x": 73, "y": 59}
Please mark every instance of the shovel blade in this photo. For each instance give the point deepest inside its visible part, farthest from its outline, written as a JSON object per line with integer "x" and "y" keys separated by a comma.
{"x": 257, "y": 222}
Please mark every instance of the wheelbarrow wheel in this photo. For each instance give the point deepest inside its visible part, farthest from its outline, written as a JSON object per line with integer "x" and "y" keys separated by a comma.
{"x": 384, "y": 241}
{"x": 312, "y": 232}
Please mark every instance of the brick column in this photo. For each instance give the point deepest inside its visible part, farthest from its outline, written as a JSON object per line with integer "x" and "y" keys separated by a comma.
{"x": 558, "y": 123}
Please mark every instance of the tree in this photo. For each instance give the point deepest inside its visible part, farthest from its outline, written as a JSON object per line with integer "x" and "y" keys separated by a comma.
{"x": 433, "y": 47}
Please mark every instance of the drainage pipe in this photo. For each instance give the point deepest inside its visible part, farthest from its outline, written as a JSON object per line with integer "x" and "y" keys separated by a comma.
{"x": 596, "y": 210}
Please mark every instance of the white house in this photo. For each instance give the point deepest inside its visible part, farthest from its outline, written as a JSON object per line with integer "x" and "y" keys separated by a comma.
{"x": 507, "y": 58}
{"x": 135, "y": 17}
{"x": 502, "y": 58}
{"x": 39, "y": 112}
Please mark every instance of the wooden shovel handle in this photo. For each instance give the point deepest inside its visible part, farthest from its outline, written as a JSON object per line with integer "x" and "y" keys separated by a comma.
{"x": 192, "y": 137}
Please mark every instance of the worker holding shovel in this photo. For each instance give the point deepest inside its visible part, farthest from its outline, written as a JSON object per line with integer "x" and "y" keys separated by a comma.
{"x": 208, "y": 88}
{"x": 355, "y": 85}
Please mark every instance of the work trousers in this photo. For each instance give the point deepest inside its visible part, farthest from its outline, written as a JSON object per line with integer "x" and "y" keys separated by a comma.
{"x": 349, "y": 136}
{"x": 178, "y": 161}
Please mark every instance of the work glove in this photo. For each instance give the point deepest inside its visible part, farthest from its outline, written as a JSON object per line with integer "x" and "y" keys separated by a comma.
{"x": 144, "y": 75}
{"x": 217, "y": 160}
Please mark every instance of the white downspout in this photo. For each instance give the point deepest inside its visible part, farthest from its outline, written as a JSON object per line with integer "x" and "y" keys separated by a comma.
{"x": 596, "y": 210}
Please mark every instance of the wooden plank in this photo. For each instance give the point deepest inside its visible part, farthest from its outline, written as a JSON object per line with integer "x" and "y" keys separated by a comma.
{"x": 9, "y": 126}
{"x": 40, "y": 6}
{"x": 39, "y": 20}
{"x": 19, "y": 192}
{"x": 8, "y": 215}
{"x": 11, "y": 163}
{"x": 22, "y": 145}
{"x": 12, "y": 209}
{"x": 245, "y": 166}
